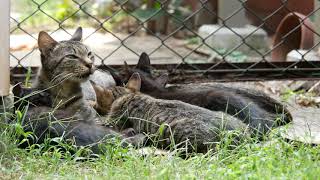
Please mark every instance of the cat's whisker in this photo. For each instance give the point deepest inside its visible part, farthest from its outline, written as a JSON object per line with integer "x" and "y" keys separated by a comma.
{"x": 68, "y": 116}
{"x": 61, "y": 78}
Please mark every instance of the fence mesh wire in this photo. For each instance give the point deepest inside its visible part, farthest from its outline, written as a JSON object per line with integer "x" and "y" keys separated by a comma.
{"x": 201, "y": 38}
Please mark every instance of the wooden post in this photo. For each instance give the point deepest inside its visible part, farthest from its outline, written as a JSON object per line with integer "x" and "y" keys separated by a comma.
{"x": 4, "y": 48}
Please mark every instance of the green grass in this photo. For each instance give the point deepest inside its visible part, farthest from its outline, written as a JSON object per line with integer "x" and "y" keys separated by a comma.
{"x": 287, "y": 94}
{"x": 277, "y": 159}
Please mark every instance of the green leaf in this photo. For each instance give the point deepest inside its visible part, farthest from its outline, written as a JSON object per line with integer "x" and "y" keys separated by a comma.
{"x": 161, "y": 129}
{"x": 19, "y": 115}
{"x": 144, "y": 14}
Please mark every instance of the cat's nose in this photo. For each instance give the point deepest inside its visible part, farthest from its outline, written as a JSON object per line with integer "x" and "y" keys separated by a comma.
{"x": 88, "y": 63}
{"x": 92, "y": 69}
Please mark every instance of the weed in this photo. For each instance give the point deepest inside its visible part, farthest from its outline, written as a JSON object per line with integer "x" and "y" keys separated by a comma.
{"x": 286, "y": 95}
{"x": 27, "y": 82}
{"x": 275, "y": 158}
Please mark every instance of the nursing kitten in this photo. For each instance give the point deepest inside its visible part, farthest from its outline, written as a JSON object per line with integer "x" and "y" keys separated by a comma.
{"x": 184, "y": 125}
{"x": 254, "y": 108}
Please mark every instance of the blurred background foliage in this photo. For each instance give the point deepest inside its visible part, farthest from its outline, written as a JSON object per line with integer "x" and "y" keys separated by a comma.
{"x": 113, "y": 15}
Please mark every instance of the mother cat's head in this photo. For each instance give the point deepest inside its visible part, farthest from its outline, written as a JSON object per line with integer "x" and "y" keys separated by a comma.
{"x": 65, "y": 60}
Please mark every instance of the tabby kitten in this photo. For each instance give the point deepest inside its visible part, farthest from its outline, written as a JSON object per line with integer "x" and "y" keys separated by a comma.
{"x": 254, "y": 108}
{"x": 197, "y": 127}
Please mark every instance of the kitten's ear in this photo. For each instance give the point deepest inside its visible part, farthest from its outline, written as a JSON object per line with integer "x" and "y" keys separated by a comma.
{"x": 17, "y": 90}
{"x": 126, "y": 67}
{"x": 101, "y": 93}
{"x": 77, "y": 36}
{"x": 116, "y": 76}
{"x": 104, "y": 99}
{"x": 134, "y": 82}
{"x": 99, "y": 90}
{"x": 45, "y": 41}
{"x": 144, "y": 63}
{"x": 163, "y": 79}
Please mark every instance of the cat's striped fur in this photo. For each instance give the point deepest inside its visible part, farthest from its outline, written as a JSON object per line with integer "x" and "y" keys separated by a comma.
{"x": 45, "y": 121}
{"x": 198, "y": 127}
{"x": 65, "y": 65}
{"x": 255, "y": 108}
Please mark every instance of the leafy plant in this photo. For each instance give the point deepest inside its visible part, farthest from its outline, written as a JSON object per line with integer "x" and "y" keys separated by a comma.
{"x": 234, "y": 56}
{"x": 287, "y": 94}
{"x": 27, "y": 82}
{"x": 145, "y": 13}
{"x": 193, "y": 40}
{"x": 64, "y": 9}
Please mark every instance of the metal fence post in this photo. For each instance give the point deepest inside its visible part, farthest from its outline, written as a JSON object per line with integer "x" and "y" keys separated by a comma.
{"x": 4, "y": 48}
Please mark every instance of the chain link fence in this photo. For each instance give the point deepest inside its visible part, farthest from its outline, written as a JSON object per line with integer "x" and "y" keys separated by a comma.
{"x": 192, "y": 39}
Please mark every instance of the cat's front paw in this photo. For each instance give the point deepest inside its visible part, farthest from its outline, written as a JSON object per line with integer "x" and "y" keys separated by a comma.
{"x": 128, "y": 132}
{"x": 138, "y": 140}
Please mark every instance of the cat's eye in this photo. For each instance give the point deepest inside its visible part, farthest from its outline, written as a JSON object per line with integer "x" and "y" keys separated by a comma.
{"x": 71, "y": 56}
{"x": 91, "y": 56}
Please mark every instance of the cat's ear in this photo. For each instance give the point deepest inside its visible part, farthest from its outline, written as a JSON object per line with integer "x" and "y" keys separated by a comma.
{"x": 97, "y": 88}
{"x": 45, "y": 41}
{"x": 116, "y": 76}
{"x": 17, "y": 90}
{"x": 134, "y": 83}
{"x": 126, "y": 67}
{"x": 163, "y": 79}
{"x": 101, "y": 93}
{"x": 77, "y": 36}
{"x": 144, "y": 63}
{"x": 104, "y": 99}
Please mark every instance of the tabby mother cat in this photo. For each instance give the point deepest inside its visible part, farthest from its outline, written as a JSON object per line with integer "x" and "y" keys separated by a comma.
{"x": 66, "y": 67}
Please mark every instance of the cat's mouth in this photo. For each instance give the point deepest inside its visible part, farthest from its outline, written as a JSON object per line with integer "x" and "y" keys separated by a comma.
{"x": 85, "y": 75}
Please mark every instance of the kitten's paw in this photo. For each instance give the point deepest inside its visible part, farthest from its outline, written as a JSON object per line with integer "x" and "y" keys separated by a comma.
{"x": 129, "y": 132}
{"x": 92, "y": 104}
{"x": 138, "y": 140}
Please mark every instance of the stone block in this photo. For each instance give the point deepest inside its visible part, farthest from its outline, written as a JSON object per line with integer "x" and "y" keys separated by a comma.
{"x": 220, "y": 37}
{"x": 298, "y": 55}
